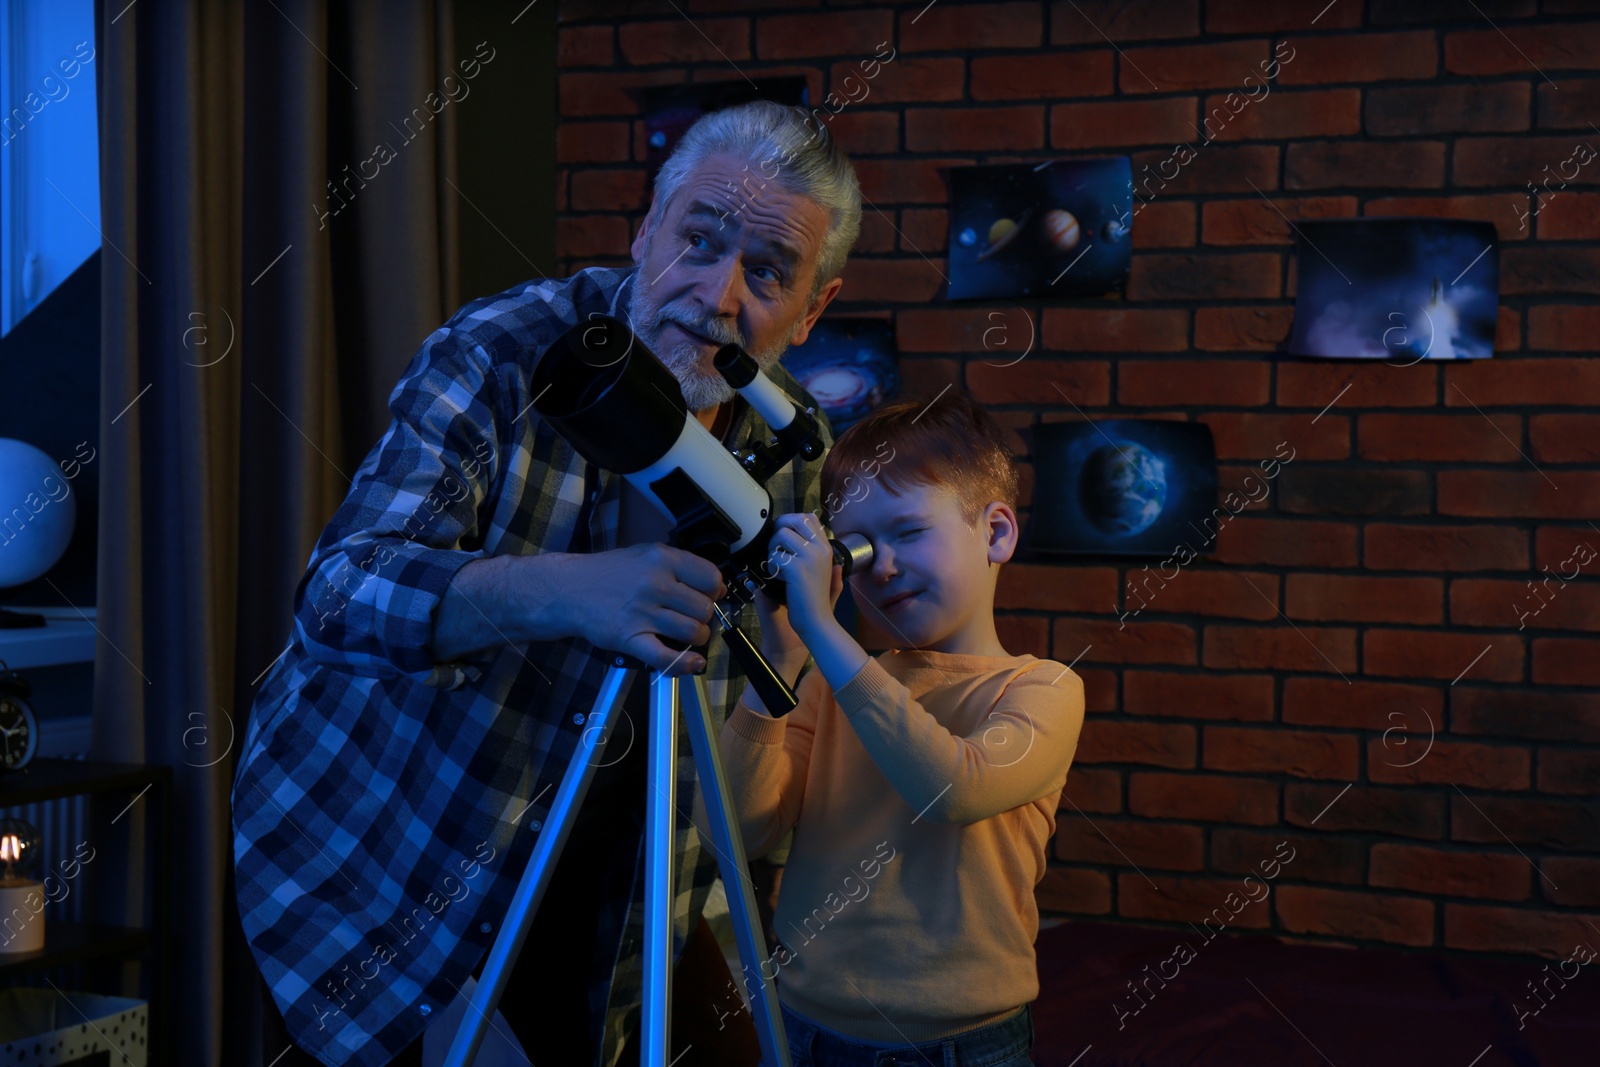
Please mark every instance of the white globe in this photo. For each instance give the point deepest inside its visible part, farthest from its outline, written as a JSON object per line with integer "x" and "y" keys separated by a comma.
{"x": 37, "y": 512}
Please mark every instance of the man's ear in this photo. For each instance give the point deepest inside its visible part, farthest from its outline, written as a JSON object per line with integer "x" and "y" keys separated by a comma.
{"x": 802, "y": 328}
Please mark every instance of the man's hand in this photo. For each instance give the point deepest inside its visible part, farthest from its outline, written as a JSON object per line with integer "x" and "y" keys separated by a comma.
{"x": 627, "y": 599}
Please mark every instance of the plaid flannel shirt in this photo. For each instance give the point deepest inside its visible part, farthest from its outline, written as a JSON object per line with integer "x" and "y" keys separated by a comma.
{"x": 385, "y": 805}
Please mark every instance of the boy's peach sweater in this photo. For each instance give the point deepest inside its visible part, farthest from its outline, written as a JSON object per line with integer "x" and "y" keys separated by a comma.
{"x": 923, "y": 798}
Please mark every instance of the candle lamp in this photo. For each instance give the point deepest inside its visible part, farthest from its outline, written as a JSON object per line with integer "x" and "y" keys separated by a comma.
{"x": 21, "y": 892}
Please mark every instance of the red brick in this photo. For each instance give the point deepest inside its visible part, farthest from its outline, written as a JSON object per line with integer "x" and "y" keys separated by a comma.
{"x": 1095, "y": 21}
{"x": 1570, "y": 217}
{"x": 1257, "y": 435}
{"x": 1568, "y": 102}
{"x": 1555, "y": 270}
{"x": 926, "y": 378}
{"x": 1566, "y": 661}
{"x": 678, "y": 40}
{"x": 1526, "y": 713}
{"x": 609, "y": 190}
{"x": 1042, "y": 381}
{"x": 1435, "y": 654}
{"x": 1517, "y": 493}
{"x": 897, "y": 181}
{"x": 908, "y": 281}
{"x": 1304, "y": 648}
{"x": 1325, "y": 113}
{"x": 1332, "y": 808}
{"x": 1166, "y": 224}
{"x": 1359, "y": 915}
{"x": 1203, "y": 797}
{"x": 592, "y": 142}
{"x": 908, "y": 80}
{"x": 1048, "y": 76}
{"x": 1174, "y": 68}
{"x": 1514, "y": 161}
{"x": 1055, "y": 587}
{"x": 1092, "y": 789}
{"x": 1445, "y": 548}
{"x": 978, "y": 129}
{"x": 1472, "y": 438}
{"x": 1462, "y": 108}
{"x": 1363, "y": 57}
{"x": 1361, "y": 598}
{"x": 606, "y": 93}
{"x": 1138, "y": 642}
{"x": 1242, "y": 329}
{"x": 592, "y": 235}
{"x": 1131, "y": 842}
{"x": 1183, "y": 382}
{"x": 1565, "y": 438}
{"x": 1191, "y": 168}
{"x": 1564, "y": 771}
{"x": 1158, "y": 744}
{"x": 1259, "y": 221}
{"x": 957, "y": 329}
{"x": 1302, "y": 753}
{"x": 1077, "y": 892}
{"x": 1507, "y": 211}
{"x": 943, "y": 28}
{"x": 922, "y": 231}
{"x": 1567, "y": 328}
{"x": 1570, "y": 825}
{"x": 1414, "y": 12}
{"x": 1570, "y": 880}
{"x": 877, "y": 234}
{"x": 1020, "y": 635}
{"x": 1239, "y": 697}
{"x": 1316, "y": 384}
{"x": 1539, "y": 605}
{"x": 584, "y": 46}
{"x": 1524, "y": 931}
{"x": 1561, "y": 548}
{"x": 1347, "y": 164}
{"x": 1410, "y": 759}
{"x": 1123, "y": 122}
{"x": 1512, "y": 49}
{"x": 862, "y": 132}
{"x": 1228, "y": 594}
{"x": 1268, "y": 16}
{"x": 1315, "y": 857}
{"x": 1413, "y": 712}
{"x": 1214, "y": 276}
{"x": 844, "y": 33}
{"x": 1287, "y": 543}
{"x": 1492, "y": 876}
{"x": 1115, "y": 330}
{"x": 1227, "y": 902}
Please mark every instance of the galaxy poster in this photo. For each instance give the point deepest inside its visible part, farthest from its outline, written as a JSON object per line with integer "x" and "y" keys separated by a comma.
{"x": 848, "y": 366}
{"x": 1058, "y": 228}
{"x": 669, "y": 110}
{"x": 1121, "y": 487}
{"x": 1396, "y": 289}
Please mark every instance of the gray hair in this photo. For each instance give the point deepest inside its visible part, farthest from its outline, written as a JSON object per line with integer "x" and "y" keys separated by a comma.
{"x": 782, "y": 143}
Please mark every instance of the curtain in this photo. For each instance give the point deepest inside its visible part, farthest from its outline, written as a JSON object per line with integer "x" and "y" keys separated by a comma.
{"x": 254, "y": 319}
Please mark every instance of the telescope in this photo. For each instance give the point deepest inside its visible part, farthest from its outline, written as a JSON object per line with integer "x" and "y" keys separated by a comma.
{"x": 620, "y": 408}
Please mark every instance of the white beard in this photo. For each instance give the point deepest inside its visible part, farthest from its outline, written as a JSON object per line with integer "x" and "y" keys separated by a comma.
{"x": 702, "y": 390}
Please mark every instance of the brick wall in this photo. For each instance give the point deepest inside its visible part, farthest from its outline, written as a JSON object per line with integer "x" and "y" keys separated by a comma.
{"x": 1283, "y": 688}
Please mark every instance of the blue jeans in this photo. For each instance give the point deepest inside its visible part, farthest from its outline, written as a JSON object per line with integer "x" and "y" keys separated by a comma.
{"x": 1003, "y": 1044}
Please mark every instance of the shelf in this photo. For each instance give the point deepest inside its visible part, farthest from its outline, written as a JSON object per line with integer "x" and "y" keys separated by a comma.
{"x": 66, "y": 943}
{"x": 51, "y": 778}
{"x": 67, "y": 636}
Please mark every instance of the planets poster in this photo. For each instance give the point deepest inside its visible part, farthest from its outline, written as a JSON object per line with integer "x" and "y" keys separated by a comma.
{"x": 1397, "y": 289}
{"x": 848, "y": 365}
{"x": 1057, "y": 228}
{"x": 1122, "y": 487}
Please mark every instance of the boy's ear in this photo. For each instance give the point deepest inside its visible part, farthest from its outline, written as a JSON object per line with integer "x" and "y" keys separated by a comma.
{"x": 1001, "y": 522}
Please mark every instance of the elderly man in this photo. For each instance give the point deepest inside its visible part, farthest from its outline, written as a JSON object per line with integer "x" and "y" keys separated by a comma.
{"x": 450, "y": 634}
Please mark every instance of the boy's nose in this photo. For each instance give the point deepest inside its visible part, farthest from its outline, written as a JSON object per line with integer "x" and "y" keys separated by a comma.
{"x": 883, "y": 567}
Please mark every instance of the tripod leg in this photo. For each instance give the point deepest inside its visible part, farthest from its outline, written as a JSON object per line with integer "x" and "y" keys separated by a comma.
{"x": 536, "y": 878}
{"x": 660, "y": 817}
{"x": 729, "y": 843}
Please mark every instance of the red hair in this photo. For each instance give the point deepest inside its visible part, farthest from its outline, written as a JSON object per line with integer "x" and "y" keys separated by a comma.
{"x": 951, "y": 442}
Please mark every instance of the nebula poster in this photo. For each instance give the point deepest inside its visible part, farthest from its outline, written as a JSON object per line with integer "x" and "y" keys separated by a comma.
{"x": 1396, "y": 289}
{"x": 1057, "y": 228}
{"x": 1121, "y": 487}
{"x": 848, "y": 365}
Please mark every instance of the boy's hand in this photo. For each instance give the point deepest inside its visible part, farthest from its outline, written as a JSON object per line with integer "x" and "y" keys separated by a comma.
{"x": 800, "y": 556}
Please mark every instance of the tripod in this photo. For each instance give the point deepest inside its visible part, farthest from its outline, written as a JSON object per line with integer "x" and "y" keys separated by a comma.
{"x": 665, "y": 699}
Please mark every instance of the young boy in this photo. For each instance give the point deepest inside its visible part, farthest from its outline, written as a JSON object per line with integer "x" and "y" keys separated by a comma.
{"x": 921, "y": 784}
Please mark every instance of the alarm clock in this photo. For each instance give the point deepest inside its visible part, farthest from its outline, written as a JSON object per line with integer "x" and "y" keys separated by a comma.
{"x": 19, "y": 728}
